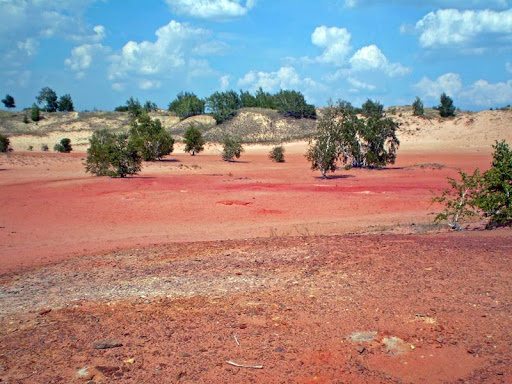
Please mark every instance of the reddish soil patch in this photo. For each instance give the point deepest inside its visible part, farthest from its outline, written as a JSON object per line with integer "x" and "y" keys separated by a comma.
{"x": 198, "y": 262}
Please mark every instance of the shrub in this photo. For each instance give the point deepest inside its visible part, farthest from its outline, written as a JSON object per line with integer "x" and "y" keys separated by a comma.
{"x": 64, "y": 146}
{"x": 277, "y": 154}
{"x": 4, "y": 143}
{"x": 193, "y": 138}
{"x": 150, "y": 138}
{"x": 372, "y": 108}
{"x": 186, "y": 105}
{"x": 111, "y": 154}
{"x": 232, "y": 148}
{"x": 44, "y": 148}
{"x": 417, "y": 107}
{"x": 66, "y": 103}
{"x": 30, "y": 148}
{"x": 446, "y": 108}
{"x": 35, "y": 113}
{"x": 25, "y": 118}
{"x": 149, "y": 106}
{"x": 9, "y": 101}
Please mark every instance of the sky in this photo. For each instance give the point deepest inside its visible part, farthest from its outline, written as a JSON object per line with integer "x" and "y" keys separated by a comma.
{"x": 104, "y": 51}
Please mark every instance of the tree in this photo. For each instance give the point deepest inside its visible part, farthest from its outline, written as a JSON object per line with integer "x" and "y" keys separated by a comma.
{"x": 232, "y": 147}
{"x": 223, "y": 105}
{"x": 417, "y": 107}
{"x": 264, "y": 99}
{"x": 372, "y": 108}
{"x": 247, "y": 100}
{"x": 293, "y": 104}
{"x": 25, "y": 118}
{"x": 133, "y": 107}
{"x": 4, "y": 143}
{"x": 9, "y": 102}
{"x": 186, "y": 105}
{"x": 49, "y": 98}
{"x": 150, "y": 138}
{"x": 111, "y": 154}
{"x": 360, "y": 142}
{"x": 35, "y": 113}
{"x": 149, "y": 106}
{"x": 66, "y": 103}
{"x": 194, "y": 142}
{"x": 277, "y": 154}
{"x": 64, "y": 146}
{"x": 446, "y": 108}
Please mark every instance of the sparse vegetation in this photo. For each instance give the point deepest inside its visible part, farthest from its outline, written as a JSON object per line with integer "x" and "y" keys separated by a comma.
{"x": 193, "y": 138}
{"x": 488, "y": 195}
{"x": 446, "y": 108}
{"x": 150, "y": 138}
{"x": 277, "y": 154}
{"x": 9, "y": 102}
{"x": 149, "y": 106}
{"x": 111, "y": 154}
{"x": 417, "y": 107}
{"x": 372, "y": 108}
{"x": 359, "y": 142}
{"x": 44, "y": 147}
{"x": 64, "y": 146}
{"x": 4, "y": 143}
{"x": 232, "y": 148}
{"x": 25, "y": 119}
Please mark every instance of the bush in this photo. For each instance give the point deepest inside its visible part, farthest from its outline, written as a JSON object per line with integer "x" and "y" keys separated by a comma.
{"x": 149, "y": 106}
{"x": 4, "y": 143}
{"x": 9, "y": 101}
{"x": 446, "y": 108}
{"x": 44, "y": 147}
{"x": 223, "y": 105}
{"x": 66, "y": 104}
{"x": 25, "y": 118}
{"x": 372, "y": 108}
{"x": 417, "y": 107}
{"x": 111, "y": 154}
{"x": 150, "y": 138}
{"x": 193, "y": 138}
{"x": 487, "y": 195}
{"x": 64, "y": 146}
{"x": 277, "y": 154}
{"x": 232, "y": 148}
{"x": 35, "y": 113}
{"x": 186, "y": 105}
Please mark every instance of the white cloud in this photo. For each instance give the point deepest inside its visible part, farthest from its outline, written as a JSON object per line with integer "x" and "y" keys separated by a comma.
{"x": 224, "y": 82}
{"x": 335, "y": 42}
{"x": 483, "y": 94}
{"x": 29, "y": 47}
{"x": 285, "y": 78}
{"x": 149, "y": 84}
{"x": 371, "y": 58}
{"x": 82, "y": 57}
{"x": 448, "y": 27}
{"x": 220, "y": 10}
{"x": 119, "y": 87}
{"x": 360, "y": 84}
{"x": 171, "y": 55}
{"x": 457, "y": 4}
{"x": 508, "y": 67}
{"x": 449, "y": 83}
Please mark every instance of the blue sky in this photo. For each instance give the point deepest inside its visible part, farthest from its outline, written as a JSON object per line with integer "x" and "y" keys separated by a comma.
{"x": 104, "y": 51}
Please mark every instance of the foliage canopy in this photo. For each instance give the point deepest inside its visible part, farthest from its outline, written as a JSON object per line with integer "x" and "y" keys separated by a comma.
{"x": 9, "y": 102}
{"x": 186, "y": 105}
{"x": 150, "y": 138}
{"x": 48, "y": 97}
{"x": 194, "y": 142}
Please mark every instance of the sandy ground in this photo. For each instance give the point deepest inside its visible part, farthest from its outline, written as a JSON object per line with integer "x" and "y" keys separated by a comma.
{"x": 172, "y": 276}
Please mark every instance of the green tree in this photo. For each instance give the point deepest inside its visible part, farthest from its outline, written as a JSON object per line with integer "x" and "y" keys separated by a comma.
{"x": 277, "y": 154}
{"x": 264, "y": 99}
{"x": 293, "y": 104}
{"x": 232, "y": 148}
{"x": 133, "y": 107}
{"x": 360, "y": 142}
{"x": 150, "y": 138}
{"x": 149, "y": 106}
{"x": 9, "y": 102}
{"x": 111, "y": 154}
{"x": 64, "y": 146}
{"x": 417, "y": 107}
{"x": 247, "y": 100}
{"x": 186, "y": 105}
{"x": 49, "y": 98}
{"x": 223, "y": 105}
{"x": 35, "y": 113}
{"x": 372, "y": 108}
{"x": 66, "y": 103}
{"x": 4, "y": 143}
{"x": 25, "y": 118}
{"x": 446, "y": 108}
{"x": 193, "y": 138}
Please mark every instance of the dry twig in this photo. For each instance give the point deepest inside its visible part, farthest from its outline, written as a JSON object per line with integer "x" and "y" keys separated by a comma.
{"x": 244, "y": 366}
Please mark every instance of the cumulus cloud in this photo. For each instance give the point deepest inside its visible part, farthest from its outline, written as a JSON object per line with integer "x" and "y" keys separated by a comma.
{"x": 485, "y": 94}
{"x": 457, "y": 4}
{"x": 371, "y": 58}
{"x": 449, "y": 83}
{"x": 449, "y": 27}
{"x": 508, "y": 67}
{"x": 172, "y": 54}
{"x": 285, "y": 78}
{"x": 360, "y": 84}
{"x": 82, "y": 57}
{"x": 220, "y": 10}
{"x": 23, "y": 24}
{"x": 335, "y": 42}
{"x": 149, "y": 84}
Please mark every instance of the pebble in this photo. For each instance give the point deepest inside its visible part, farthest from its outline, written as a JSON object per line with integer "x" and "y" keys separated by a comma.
{"x": 107, "y": 344}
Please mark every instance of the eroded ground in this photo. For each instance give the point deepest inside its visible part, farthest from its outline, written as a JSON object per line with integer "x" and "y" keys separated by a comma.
{"x": 86, "y": 297}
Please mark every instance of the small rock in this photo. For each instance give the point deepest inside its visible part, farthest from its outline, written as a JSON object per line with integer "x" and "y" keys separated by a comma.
{"x": 279, "y": 350}
{"x": 107, "y": 344}
{"x": 360, "y": 349}
{"x": 395, "y": 346}
{"x": 84, "y": 374}
{"x": 45, "y": 312}
{"x": 363, "y": 337}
